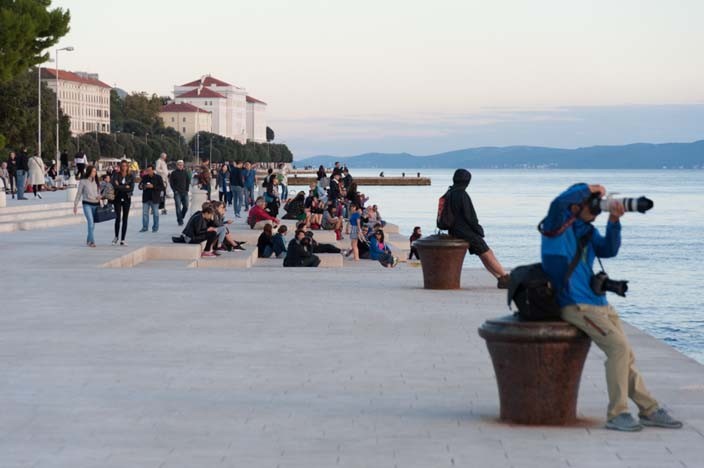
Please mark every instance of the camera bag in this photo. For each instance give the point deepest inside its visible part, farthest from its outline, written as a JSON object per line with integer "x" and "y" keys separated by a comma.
{"x": 532, "y": 292}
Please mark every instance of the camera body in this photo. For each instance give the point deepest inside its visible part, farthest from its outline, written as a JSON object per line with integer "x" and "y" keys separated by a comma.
{"x": 601, "y": 283}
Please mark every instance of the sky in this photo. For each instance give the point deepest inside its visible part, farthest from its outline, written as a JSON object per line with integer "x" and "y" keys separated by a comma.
{"x": 344, "y": 78}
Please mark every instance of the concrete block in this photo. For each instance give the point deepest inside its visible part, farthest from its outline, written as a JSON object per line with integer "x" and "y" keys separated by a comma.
{"x": 3, "y": 198}
{"x": 71, "y": 194}
{"x": 330, "y": 260}
{"x": 236, "y": 259}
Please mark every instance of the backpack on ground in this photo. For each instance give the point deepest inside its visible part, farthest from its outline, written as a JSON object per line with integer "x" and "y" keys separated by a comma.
{"x": 445, "y": 218}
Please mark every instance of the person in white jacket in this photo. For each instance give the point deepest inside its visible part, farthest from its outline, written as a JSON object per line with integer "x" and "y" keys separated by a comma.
{"x": 36, "y": 174}
{"x": 163, "y": 170}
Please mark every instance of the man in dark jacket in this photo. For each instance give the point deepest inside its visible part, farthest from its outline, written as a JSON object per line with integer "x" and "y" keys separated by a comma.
{"x": 299, "y": 253}
{"x": 237, "y": 186}
{"x": 200, "y": 228}
{"x": 180, "y": 181}
{"x": 151, "y": 185}
{"x": 63, "y": 170}
{"x": 466, "y": 226}
{"x": 334, "y": 192}
{"x": 21, "y": 174}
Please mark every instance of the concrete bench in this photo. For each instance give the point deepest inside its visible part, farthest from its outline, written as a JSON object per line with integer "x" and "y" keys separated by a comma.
{"x": 326, "y": 261}
{"x": 235, "y": 259}
{"x": 155, "y": 253}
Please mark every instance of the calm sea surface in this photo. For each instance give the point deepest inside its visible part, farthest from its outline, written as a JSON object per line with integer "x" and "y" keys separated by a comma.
{"x": 661, "y": 253}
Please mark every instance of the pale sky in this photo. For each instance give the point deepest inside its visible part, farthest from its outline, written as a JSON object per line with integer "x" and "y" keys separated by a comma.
{"x": 417, "y": 76}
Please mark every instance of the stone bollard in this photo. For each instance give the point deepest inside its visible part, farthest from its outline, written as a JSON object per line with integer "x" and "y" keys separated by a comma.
{"x": 71, "y": 194}
{"x": 538, "y": 368}
{"x": 3, "y": 197}
{"x": 441, "y": 257}
{"x": 198, "y": 197}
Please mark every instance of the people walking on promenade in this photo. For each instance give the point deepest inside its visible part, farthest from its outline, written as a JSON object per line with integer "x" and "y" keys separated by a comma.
{"x": 203, "y": 177}
{"x": 414, "y": 237}
{"x": 151, "y": 185}
{"x": 237, "y": 187}
{"x": 12, "y": 172}
{"x": 80, "y": 161}
{"x": 36, "y": 174}
{"x": 567, "y": 234}
{"x": 223, "y": 185}
{"x": 63, "y": 159}
{"x": 22, "y": 173}
{"x": 283, "y": 181}
{"x": 163, "y": 170}
{"x": 123, "y": 183}
{"x": 180, "y": 181}
{"x": 466, "y": 226}
{"x": 88, "y": 193}
{"x": 250, "y": 181}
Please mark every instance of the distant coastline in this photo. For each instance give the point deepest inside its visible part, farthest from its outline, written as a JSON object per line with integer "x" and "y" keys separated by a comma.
{"x": 633, "y": 156}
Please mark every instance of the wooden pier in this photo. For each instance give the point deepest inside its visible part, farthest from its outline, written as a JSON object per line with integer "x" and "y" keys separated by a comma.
{"x": 294, "y": 179}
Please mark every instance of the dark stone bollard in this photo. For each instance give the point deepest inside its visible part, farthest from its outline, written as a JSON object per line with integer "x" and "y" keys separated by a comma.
{"x": 538, "y": 368}
{"x": 441, "y": 258}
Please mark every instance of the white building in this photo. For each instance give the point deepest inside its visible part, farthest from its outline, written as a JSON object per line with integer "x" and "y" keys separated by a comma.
{"x": 228, "y": 105}
{"x": 256, "y": 120}
{"x": 187, "y": 119}
{"x": 84, "y": 98}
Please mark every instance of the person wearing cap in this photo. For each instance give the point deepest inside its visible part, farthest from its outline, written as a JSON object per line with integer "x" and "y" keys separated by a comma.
{"x": 466, "y": 226}
{"x": 180, "y": 181}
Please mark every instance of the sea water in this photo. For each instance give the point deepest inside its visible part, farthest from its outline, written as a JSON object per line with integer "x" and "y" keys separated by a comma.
{"x": 661, "y": 252}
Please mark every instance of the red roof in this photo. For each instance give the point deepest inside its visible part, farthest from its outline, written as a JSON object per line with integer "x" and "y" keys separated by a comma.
{"x": 50, "y": 73}
{"x": 251, "y": 99}
{"x": 204, "y": 93}
{"x": 183, "y": 107}
{"x": 208, "y": 81}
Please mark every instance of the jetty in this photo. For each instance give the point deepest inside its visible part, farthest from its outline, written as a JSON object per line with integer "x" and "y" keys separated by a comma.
{"x": 160, "y": 363}
{"x": 295, "y": 179}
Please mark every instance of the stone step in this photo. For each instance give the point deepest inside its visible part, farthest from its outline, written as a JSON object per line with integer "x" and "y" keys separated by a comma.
{"x": 235, "y": 259}
{"x": 326, "y": 261}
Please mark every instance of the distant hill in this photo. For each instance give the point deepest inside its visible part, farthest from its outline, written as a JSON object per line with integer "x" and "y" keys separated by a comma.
{"x": 635, "y": 156}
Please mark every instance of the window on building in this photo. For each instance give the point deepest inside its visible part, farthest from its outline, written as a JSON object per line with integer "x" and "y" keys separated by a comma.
{"x": 173, "y": 119}
{"x": 183, "y": 130}
{"x": 184, "y": 119}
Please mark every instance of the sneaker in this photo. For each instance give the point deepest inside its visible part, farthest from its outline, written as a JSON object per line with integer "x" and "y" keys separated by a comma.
{"x": 114, "y": 241}
{"x": 217, "y": 253}
{"x": 395, "y": 262}
{"x": 143, "y": 230}
{"x": 180, "y": 223}
{"x": 207, "y": 254}
{"x": 503, "y": 281}
{"x": 239, "y": 247}
{"x": 624, "y": 422}
{"x": 124, "y": 242}
{"x": 660, "y": 418}
{"x": 155, "y": 230}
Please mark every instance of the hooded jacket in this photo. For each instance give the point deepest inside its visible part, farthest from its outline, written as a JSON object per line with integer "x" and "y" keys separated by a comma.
{"x": 466, "y": 222}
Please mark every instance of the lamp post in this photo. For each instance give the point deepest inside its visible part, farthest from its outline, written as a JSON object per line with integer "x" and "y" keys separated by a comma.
{"x": 39, "y": 110}
{"x": 58, "y": 83}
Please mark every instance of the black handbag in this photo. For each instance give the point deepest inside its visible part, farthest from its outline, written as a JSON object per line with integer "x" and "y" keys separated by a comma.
{"x": 104, "y": 213}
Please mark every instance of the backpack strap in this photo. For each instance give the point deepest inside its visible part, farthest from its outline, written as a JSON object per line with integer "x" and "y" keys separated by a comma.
{"x": 581, "y": 244}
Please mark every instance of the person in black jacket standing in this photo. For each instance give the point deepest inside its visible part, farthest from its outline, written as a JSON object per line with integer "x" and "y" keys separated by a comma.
{"x": 151, "y": 185}
{"x": 123, "y": 183}
{"x": 466, "y": 226}
{"x": 12, "y": 171}
{"x": 21, "y": 174}
{"x": 180, "y": 181}
{"x": 237, "y": 186}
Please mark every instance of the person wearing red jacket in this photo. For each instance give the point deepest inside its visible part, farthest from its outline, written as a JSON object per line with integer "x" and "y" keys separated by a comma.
{"x": 258, "y": 216}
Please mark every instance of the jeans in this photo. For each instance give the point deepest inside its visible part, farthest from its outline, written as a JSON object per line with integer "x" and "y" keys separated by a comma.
{"x": 248, "y": 197}
{"x": 145, "y": 215}
{"x": 284, "y": 192}
{"x": 21, "y": 180}
{"x": 122, "y": 213}
{"x": 89, "y": 213}
{"x": 237, "y": 193}
{"x": 181, "y": 201}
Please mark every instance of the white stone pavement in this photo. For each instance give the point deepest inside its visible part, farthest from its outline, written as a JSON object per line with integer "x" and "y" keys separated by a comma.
{"x": 162, "y": 366}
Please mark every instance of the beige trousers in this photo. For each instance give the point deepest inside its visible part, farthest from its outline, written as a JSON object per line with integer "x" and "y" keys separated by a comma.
{"x": 623, "y": 380}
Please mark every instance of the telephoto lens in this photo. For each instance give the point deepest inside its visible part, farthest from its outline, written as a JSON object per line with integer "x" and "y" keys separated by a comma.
{"x": 640, "y": 204}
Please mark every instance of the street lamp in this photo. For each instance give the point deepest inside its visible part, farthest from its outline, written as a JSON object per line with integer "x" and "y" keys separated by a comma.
{"x": 39, "y": 111}
{"x": 58, "y": 84}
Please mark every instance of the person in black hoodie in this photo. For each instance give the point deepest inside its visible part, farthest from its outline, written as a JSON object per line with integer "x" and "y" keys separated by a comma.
{"x": 199, "y": 228}
{"x": 466, "y": 226}
{"x": 151, "y": 185}
{"x": 22, "y": 172}
{"x": 123, "y": 183}
{"x": 180, "y": 181}
{"x": 299, "y": 253}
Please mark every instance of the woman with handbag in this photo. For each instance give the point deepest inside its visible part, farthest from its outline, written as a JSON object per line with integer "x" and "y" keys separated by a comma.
{"x": 88, "y": 193}
{"x": 36, "y": 174}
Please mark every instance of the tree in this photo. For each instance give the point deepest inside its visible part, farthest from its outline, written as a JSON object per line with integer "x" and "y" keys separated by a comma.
{"x": 27, "y": 29}
{"x": 269, "y": 134}
{"x": 145, "y": 109}
{"x": 117, "y": 112}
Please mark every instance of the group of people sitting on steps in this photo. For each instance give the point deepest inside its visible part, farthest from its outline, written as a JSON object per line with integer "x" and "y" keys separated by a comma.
{"x": 209, "y": 225}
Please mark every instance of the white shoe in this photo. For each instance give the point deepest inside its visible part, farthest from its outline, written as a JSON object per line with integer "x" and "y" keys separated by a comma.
{"x": 123, "y": 243}
{"x": 114, "y": 241}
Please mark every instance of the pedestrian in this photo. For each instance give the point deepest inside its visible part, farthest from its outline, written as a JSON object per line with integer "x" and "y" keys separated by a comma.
{"x": 36, "y": 175}
{"x": 180, "y": 181}
{"x": 80, "y": 161}
{"x": 162, "y": 169}
{"x": 223, "y": 185}
{"x": 283, "y": 181}
{"x": 151, "y": 185}
{"x": 250, "y": 181}
{"x": 12, "y": 172}
{"x": 88, "y": 193}
{"x": 123, "y": 183}
{"x": 466, "y": 226}
{"x": 414, "y": 237}
{"x": 21, "y": 173}
{"x": 64, "y": 170}
{"x": 237, "y": 187}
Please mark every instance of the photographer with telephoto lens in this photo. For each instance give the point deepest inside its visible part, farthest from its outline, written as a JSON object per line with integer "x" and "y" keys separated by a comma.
{"x": 565, "y": 230}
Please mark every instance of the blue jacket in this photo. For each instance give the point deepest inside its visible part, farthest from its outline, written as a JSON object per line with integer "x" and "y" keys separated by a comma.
{"x": 557, "y": 252}
{"x": 375, "y": 250}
